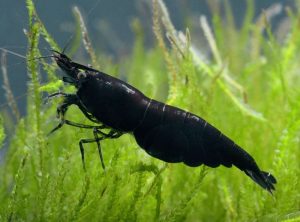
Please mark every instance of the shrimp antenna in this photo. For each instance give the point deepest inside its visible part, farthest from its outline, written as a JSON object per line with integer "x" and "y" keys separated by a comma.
{"x": 67, "y": 44}
{"x": 13, "y": 53}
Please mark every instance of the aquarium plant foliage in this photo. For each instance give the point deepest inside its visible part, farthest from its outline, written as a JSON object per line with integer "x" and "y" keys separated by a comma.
{"x": 245, "y": 81}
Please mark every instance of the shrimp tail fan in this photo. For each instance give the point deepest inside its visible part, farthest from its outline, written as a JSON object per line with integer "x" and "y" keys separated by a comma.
{"x": 264, "y": 179}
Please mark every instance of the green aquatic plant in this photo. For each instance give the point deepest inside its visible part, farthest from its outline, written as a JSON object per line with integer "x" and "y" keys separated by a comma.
{"x": 249, "y": 89}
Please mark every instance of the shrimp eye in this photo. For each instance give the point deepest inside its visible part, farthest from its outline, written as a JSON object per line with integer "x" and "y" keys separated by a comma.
{"x": 81, "y": 75}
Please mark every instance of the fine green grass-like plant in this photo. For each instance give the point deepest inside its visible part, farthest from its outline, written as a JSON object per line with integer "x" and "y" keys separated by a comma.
{"x": 249, "y": 89}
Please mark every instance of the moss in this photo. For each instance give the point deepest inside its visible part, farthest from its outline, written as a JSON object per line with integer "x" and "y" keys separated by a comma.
{"x": 42, "y": 177}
